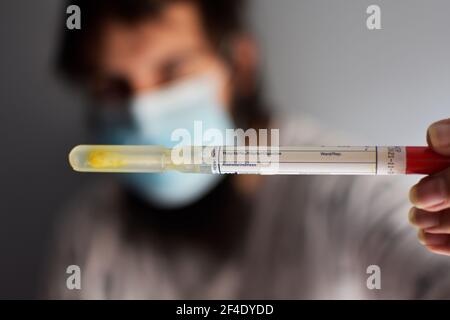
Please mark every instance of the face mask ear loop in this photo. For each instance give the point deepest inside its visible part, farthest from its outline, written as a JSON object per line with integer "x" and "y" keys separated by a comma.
{"x": 226, "y": 52}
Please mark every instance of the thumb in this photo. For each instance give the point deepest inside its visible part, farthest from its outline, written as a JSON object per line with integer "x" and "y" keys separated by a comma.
{"x": 438, "y": 137}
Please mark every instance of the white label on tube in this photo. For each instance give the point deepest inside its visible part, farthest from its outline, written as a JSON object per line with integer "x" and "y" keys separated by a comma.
{"x": 309, "y": 160}
{"x": 391, "y": 160}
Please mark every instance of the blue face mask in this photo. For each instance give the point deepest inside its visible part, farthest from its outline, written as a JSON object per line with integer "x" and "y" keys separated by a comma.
{"x": 151, "y": 119}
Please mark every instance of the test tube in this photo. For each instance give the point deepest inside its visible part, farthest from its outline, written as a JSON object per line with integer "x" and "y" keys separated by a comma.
{"x": 339, "y": 160}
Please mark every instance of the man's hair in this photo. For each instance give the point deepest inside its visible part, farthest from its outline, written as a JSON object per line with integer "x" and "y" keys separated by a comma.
{"x": 221, "y": 20}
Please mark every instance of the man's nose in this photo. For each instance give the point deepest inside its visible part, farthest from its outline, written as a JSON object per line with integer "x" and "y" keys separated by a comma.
{"x": 142, "y": 84}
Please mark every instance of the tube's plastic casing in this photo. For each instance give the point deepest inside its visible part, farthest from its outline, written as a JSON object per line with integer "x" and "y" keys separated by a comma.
{"x": 423, "y": 160}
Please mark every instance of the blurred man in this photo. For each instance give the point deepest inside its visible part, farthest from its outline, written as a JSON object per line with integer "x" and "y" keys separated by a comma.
{"x": 151, "y": 66}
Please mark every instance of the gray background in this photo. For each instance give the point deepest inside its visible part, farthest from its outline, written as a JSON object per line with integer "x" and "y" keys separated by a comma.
{"x": 384, "y": 86}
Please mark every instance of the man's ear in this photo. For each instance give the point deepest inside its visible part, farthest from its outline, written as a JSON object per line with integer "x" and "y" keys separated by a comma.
{"x": 245, "y": 60}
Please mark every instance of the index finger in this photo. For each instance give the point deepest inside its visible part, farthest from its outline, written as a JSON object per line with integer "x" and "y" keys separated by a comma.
{"x": 438, "y": 137}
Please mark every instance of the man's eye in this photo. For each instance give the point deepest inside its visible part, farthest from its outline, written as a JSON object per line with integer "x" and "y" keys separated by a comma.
{"x": 173, "y": 71}
{"x": 112, "y": 90}
{"x": 168, "y": 73}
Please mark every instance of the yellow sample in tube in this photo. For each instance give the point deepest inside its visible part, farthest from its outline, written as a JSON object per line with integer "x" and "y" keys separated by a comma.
{"x": 119, "y": 158}
{"x": 105, "y": 159}
{"x": 132, "y": 158}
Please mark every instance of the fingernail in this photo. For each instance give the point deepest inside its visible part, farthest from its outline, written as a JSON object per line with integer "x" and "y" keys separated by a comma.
{"x": 429, "y": 239}
{"x": 411, "y": 216}
{"x": 422, "y": 219}
{"x": 440, "y": 134}
{"x": 421, "y": 236}
{"x": 429, "y": 193}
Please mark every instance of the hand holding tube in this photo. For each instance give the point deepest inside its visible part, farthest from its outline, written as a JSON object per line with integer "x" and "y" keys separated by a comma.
{"x": 431, "y": 196}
